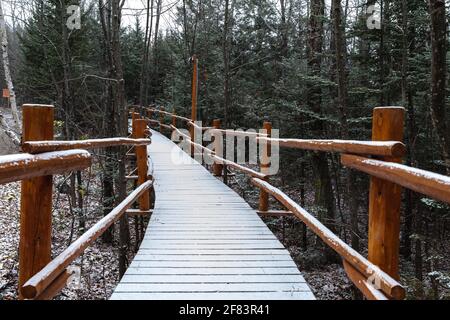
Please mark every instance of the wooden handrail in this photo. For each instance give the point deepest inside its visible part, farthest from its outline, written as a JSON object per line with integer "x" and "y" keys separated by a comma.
{"x": 40, "y": 281}
{"x": 169, "y": 114}
{"x": 428, "y": 183}
{"x": 162, "y": 125}
{"x": 388, "y": 285}
{"x": 26, "y": 166}
{"x": 189, "y": 122}
{"x": 56, "y": 286}
{"x": 188, "y": 138}
{"x": 238, "y": 133}
{"x": 35, "y": 147}
{"x": 375, "y": 148}
{"x": 220, "y": 160}
{"x": 238, "y": 167}
{"x": 196, "y": 126}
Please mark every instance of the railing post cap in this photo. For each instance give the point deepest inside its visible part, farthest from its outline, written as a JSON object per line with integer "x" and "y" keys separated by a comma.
{"x": 390, "y": 108}
{"x": 29, "y": 105}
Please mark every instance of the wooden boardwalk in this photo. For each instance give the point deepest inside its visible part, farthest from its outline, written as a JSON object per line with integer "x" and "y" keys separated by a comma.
{"x": 204, "y": 242}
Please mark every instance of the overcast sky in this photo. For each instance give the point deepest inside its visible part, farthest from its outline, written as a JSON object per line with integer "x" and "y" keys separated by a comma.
{"x": 132, "y": 8}
{"x": 138, "y": 7}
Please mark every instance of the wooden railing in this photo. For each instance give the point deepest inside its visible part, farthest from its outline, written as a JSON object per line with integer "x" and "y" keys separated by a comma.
{"x": 40, "y": 277}
{"x": 377, "y": 276}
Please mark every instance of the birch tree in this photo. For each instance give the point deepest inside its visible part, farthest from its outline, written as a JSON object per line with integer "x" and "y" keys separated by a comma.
{"x": 8, "y": 78}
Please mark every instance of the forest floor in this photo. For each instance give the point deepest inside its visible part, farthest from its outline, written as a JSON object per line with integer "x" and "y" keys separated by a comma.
{"x": 98, "y": 265}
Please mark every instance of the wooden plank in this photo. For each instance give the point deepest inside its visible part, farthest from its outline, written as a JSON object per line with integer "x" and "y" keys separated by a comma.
{"x": 205, "y": 227}
{"x": 255, "y": 296}
{"x": 213, "y": 264}
{"x": 263, "y": 242}
{"x": 206, "y": 233}
{"x": 213, "y": 252}
{"x": 178, "y": 237}
{"x": 143, "y": 278}
{"x": 199, "y": 246}
{"x": 217, "y": 257}
{"x": 216, "y": 271}
{"x": 213, "y": 287}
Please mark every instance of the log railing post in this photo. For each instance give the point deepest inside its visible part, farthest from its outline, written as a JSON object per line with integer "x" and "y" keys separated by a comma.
{"x": 142, "y": 163}
{"x": 265, "y": 165}
{"x": 218, "y": 148}
{"x": 385, "y": 197}
{"x": 134, "y": 116}
{"x": 174, "y": 119}
{"x": 161, "y": 119}
{"x": 194, "y": 99}
{"x": 36, "y": 200}
{"x": 194, "y": 88}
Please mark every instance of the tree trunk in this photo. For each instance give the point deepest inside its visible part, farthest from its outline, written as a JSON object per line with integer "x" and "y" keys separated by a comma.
{"x": 122, "y": 117}
{"x": 7, "y": 70}
{"x": 323, "y": 188}
{"x": 226, "y": 63}
{"x": 145, "y": 59}
{"x": 111, "y": 21}
{"x": 439, "y": 109}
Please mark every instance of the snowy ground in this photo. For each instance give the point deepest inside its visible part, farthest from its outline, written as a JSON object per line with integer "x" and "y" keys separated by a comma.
{"x": 99, "y": 264}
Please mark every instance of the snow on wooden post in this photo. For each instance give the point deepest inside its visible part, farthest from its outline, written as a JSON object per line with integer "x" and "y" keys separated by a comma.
{"x": 194, "y": 88}
{"x": 161, "y": 119}
{"x": 142, "y": 163}
{"x": 265, "y": 165}
{"x": 218, "y": 149}
{"x": 194, "y": 97}
{"x": 36, "y": 200}
{"x": 385, "y": 196}
{"x": 134, "y": 117}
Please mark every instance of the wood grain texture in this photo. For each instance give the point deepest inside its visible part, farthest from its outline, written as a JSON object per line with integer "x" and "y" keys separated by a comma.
{"x": 204, "y": 242}
{"x": 385, "y": 197}
{"x": 434, "y": 185}
{"x": 265, "y": 167}
{"x": 140, "y": 126}
{"x": 385, "y": 148}
{"x": 36, "y": 200}
{"x": 26, "y": 166}
{"x": 49, "y": 146}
